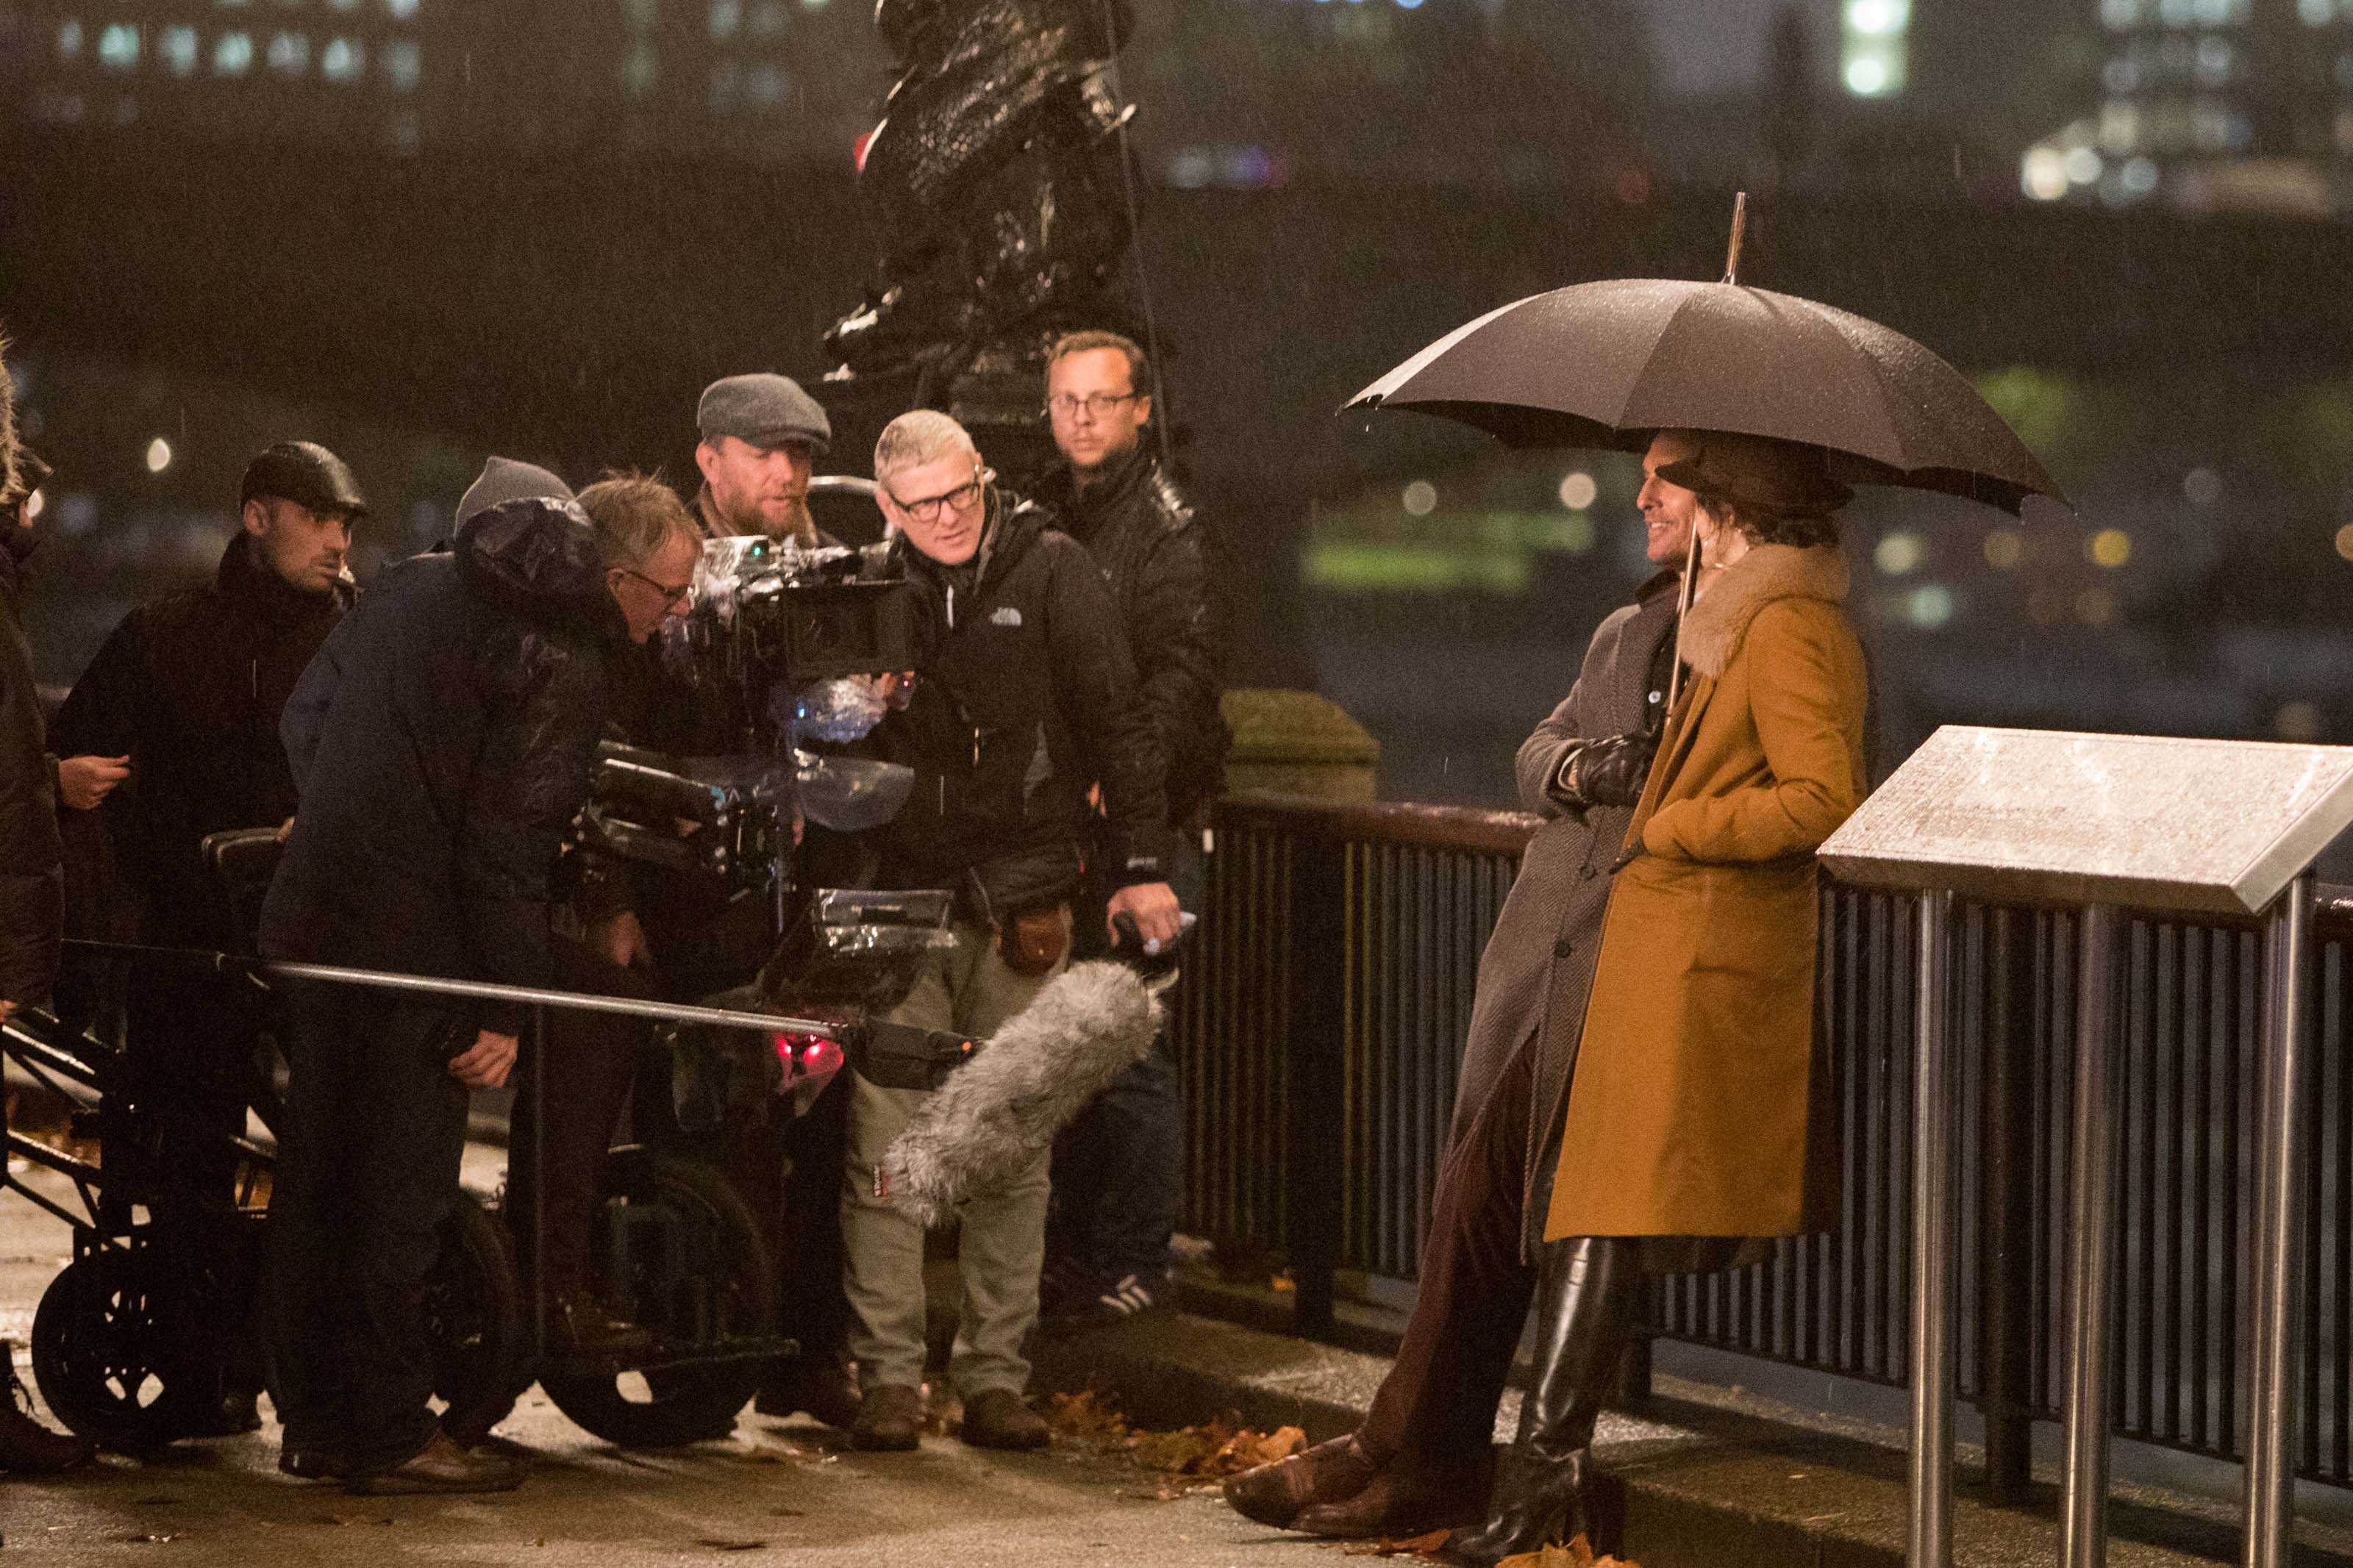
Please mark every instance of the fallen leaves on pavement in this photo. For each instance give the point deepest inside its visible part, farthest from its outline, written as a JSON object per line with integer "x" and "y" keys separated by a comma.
{"x": 1191, "y": 1457}
{"x": 1427, "y": 1546}
{"x": 1578, "y": 1554}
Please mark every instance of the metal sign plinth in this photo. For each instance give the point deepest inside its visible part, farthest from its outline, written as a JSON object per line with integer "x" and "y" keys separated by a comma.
{"x": 2103, "y": 822}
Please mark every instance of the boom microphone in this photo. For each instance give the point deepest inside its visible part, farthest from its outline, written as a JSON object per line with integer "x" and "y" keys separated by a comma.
{"x": 995, "y": 1115}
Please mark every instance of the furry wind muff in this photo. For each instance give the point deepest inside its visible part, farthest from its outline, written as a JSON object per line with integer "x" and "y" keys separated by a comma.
{"x": 998, "y": 1113}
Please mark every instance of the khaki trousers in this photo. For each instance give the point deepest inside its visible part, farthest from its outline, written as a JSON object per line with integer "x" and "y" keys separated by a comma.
{"x": 1003, "y": 1233}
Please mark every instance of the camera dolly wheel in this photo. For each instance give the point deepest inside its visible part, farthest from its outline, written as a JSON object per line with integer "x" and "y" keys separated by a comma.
{"x": 107, "y": 1355}
{"x": 681, "y": 1253}
{"x": 474, "y": 1319}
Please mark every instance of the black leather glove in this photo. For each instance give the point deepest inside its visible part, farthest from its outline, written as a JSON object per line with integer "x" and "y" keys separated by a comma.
{"x": 1611, "y": 772}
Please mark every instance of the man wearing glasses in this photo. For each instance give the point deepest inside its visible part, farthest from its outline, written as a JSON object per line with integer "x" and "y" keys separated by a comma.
{"x": 1024, "y": 698}
{"x": 1119, "y": 1169}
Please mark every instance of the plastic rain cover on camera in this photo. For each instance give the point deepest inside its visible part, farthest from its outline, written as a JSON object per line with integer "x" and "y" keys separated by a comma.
{"x": 839, "y": 710}
{"x": 868, "y": 906}
{"x": 850, "y": 795}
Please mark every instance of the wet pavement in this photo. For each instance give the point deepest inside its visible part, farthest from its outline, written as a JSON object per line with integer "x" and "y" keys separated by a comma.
{"x": 773, "y": 1492}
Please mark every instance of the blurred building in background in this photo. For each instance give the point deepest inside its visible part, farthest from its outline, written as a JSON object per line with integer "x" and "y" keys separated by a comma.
{"x": 782, "y": 80}
{"x": 1252, "y": 94}
{"x": 2209, "y": 106}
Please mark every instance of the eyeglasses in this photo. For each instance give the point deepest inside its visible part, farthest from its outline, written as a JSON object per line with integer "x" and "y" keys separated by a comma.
{"x": 931, "y": 509}
{"x": 1097, "y": 405}
{"x": 670, "y": 596}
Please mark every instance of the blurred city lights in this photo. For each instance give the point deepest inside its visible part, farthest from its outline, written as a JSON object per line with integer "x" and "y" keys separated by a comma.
{"x": 2345, "y": 542}
{"x": 1899, "y": 552}
{"x": 1577, "y": 490}
{"x": 1420, "y": 498}
{"x": 2004, "y": 548}
{"x": 2094, "y": 608}
{"x": 2045, "y": 175}
{"x": 1867, "y": 77}
{"x": 1930, "y": 605}
{"x": 159, "y": 454}
{"x": 2111, "y": 547}
{"x": 2202, "y": 486}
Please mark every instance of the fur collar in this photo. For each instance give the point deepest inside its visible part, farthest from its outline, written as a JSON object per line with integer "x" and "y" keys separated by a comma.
{"x": 1712, "y": 630}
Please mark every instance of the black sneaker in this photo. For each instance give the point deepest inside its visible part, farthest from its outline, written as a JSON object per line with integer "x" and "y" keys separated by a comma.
{"x": 1132, "y": 1295}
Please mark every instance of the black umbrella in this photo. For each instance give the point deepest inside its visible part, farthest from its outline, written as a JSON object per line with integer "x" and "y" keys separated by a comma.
{"x": 1604, "y": 365}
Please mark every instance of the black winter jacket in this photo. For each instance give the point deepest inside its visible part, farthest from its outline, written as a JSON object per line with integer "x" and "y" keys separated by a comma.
{"x": 1024, "y": 698}
{"x": 443, "y": 740}
{"x": 31, "y": 876}
{"x": 191, "y": 687}
{"x": 1154, "y": 559}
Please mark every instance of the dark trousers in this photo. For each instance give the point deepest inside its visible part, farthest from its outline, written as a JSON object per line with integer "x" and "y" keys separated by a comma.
{"x": 192, "y": 1037}
{"x": 1119, "y": 1166}
{"x": 584, "y": 1086}
{"x": 1439, "y": 1399}
{"x": 368, "y": 1171}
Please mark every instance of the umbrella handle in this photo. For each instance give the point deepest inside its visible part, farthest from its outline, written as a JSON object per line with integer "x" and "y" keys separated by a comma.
{"x": 1739, "y": 237}
{"x": 1683, "y": 612}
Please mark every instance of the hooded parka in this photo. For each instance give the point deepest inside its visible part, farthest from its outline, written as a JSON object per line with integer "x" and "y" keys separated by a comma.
{"x": 443, "y": 740}
{"x": 1688, "y": 1114}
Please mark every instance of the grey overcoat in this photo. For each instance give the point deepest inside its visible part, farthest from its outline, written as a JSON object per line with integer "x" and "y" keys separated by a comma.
{"x": 1537, "y": 968}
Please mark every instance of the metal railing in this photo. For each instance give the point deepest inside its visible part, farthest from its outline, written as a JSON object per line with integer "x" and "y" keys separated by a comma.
{"x": 1324, "y": 1020}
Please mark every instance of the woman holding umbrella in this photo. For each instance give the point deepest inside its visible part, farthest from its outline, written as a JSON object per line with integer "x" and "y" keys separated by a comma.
{"x": 1687, "y": 1115}
{"x": 1686, "y": 1123}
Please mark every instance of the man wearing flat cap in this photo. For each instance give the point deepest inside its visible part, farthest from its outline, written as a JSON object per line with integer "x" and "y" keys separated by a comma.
{"x": 761, "y": 439}
{"x": 172, "y": 734}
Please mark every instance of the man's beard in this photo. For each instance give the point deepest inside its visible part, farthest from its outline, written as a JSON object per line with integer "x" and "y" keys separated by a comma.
{"x": 799, "y": 524}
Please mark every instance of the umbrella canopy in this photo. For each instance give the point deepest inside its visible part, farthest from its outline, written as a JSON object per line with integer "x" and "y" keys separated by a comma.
{"x": 1604, "y": 365}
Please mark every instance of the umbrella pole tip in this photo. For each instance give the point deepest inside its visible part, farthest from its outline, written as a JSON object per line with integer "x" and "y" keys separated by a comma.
{"x": 1739, "y": 236}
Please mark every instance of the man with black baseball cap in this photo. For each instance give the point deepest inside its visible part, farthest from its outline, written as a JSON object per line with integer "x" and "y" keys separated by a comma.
{"x": 761, "y": 439}
{"x": 172, "y": 731}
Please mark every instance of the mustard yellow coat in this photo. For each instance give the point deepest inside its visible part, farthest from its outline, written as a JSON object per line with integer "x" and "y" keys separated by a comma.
{"x": 1687, "y": 1115}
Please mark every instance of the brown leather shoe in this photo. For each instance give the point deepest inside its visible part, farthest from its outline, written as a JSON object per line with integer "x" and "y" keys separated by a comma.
{"x": 891, "y": 1421}
{"x": 996, "y": 1418}
{"x": 1409, "y": 1497}
{"x": 1330, "y": 1472}
{"x": 443, "y": 1466}
{"x": 823, "y": 1388}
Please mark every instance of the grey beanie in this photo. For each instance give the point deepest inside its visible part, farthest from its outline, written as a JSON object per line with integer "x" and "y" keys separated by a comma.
{"x": 505, "y": 479}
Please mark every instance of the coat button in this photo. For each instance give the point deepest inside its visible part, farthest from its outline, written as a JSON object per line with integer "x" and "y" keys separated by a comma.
{"x": 1563, "y": 947}
{"x": 1590, "y": 873}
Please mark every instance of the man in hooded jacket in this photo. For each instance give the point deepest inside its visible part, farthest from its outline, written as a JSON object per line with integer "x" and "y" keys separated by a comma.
{"x": 442, "y": 742}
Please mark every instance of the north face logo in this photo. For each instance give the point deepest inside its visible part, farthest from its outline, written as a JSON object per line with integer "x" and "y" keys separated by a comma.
{"x": 1004, "y": 615}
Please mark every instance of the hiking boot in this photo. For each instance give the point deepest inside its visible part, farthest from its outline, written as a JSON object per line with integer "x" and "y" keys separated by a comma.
{"x": 823, "y": 1388}
{"x": 443, "y": 1466}
{"x": 996, "y": 1418}
{"x": 890, "y": 1420}
{"x": 27, "y": 1447}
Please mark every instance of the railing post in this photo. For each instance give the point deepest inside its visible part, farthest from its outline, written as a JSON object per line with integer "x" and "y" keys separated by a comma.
{"x": 1315, "y": 1165}
{"x": 2006, "y": 1203}
{"x": 2091, "y": 1249}
{"x": 1934, "y": 1226}
{"x": 2273, "y": 1406}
